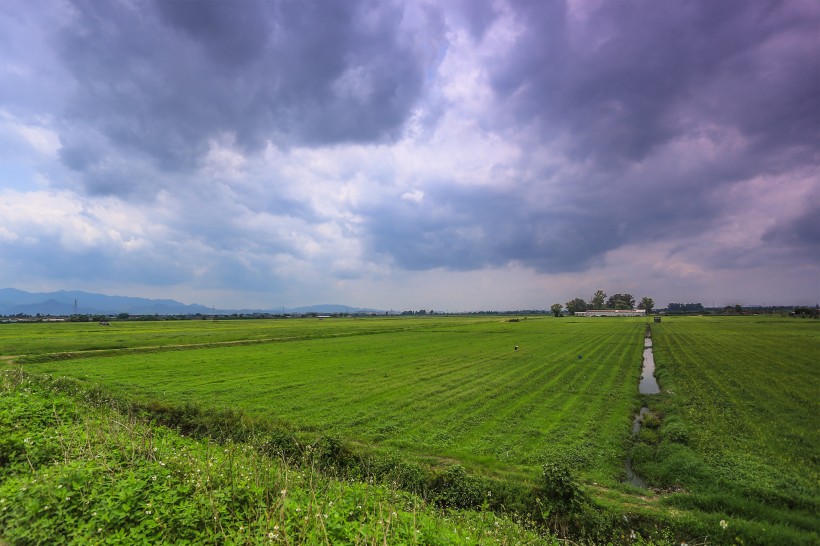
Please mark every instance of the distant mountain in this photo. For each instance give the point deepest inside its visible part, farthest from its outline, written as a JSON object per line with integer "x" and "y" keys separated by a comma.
{"x": 61, "y": 303}
{"x": 13, "y": 302}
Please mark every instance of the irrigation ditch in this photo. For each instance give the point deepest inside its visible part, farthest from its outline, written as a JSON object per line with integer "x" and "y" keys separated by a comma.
{"x": 648, "y": 386}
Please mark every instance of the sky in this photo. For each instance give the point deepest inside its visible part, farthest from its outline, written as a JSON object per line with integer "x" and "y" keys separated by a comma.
{"x": 453, "y": 155}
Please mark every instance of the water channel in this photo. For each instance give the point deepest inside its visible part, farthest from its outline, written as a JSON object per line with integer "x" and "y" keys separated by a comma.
{"x": 647, "y": 385}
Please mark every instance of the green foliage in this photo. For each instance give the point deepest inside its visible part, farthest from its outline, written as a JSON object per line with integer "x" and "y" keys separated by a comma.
{"x": 621, "y": 301}
{"x": 647, "y": 304}
{"x": 113, "y": 478}
{"x": 598, "y": 300}
{"x": 576, "y": 304}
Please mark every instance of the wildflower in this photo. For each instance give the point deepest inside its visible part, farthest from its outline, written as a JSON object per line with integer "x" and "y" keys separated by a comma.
{"x": 275, "y": 527}
{"x": 161, "y": 463}
{"x": 724, "y": 524}
{"x": 285, "y": 492}
{"x": 270, "y": 536}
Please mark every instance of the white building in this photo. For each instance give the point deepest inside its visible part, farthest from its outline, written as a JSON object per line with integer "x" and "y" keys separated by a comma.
{"x": 612, "y": 313}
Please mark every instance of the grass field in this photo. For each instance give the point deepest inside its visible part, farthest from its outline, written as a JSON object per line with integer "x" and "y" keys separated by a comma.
{"x": 435, "y": 388}
{"x": 730, "y": 445}
{"x": 740, "y": 428}
{"x": 76, "y": 473}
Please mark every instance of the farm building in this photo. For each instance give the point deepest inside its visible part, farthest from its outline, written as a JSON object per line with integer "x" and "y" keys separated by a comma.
{"x": 612, "y": 313}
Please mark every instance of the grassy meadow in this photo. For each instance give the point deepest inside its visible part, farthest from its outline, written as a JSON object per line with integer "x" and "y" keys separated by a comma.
{"x": 729, "y": 448}
{"x": 77, "y": 471}
{"x": 739, "y": 426}
{"x": 439, "y": 388}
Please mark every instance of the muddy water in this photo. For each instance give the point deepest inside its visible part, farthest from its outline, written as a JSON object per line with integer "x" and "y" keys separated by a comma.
{"x": 632, "y": 478}
{"x": 636, "y": 424}
{"x": 648, "y": 384}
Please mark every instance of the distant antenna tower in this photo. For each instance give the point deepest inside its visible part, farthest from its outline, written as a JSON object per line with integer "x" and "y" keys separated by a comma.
{"x": 75, "y": 306}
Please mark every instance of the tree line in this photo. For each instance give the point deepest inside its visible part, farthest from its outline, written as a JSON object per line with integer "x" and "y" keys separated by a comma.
{"x": 599, "y": 300}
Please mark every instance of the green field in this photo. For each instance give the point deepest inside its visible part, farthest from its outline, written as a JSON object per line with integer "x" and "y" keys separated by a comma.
{"x": 448, "y": 389}
{"x": 77, "y": 473}
{"x": 740, "y": 428}
{"x": 733, "y": 436}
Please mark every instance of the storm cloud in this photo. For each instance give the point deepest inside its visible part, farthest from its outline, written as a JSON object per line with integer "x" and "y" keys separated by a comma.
{"x": 282, "y": 152}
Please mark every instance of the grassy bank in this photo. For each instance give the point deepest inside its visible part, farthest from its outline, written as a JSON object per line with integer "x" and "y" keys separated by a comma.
{"x": 89, "y": 474}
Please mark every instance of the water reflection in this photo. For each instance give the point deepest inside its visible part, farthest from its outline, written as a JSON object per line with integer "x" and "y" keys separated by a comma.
{"x": 648, "y": 384}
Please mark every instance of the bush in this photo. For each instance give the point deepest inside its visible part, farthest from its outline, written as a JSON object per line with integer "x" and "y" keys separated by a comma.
{"x": 455, "y": 488}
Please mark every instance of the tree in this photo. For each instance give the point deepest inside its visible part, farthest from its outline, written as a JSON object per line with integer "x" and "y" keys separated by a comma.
{"x": 646, "y": 303}
{"x": 621, "y": 301}
{"x": 576, "y": 305}
{"x": 597, "y": 301}
{"x": 556, "y": 309}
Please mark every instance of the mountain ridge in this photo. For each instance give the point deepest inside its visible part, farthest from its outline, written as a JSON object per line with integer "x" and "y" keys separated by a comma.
{"x": 61, "y": 303}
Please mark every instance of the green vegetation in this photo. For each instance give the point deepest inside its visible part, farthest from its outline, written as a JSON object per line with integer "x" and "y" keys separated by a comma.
{"x": 736, "y": 428}
{"x": 432, "y": 388}
{"x": 81, "y": 474}
{"x": 446, "y": 412}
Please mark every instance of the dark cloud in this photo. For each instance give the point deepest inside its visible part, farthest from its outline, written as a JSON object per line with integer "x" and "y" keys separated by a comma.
{"x": 633, "y": 75}
{"x": 475, "y": 15}
{"x": 801, "y": 232}
{"x": 463, "y": 229}
{"x": 163, "y": 79}
{"x": 45, "y": 256}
